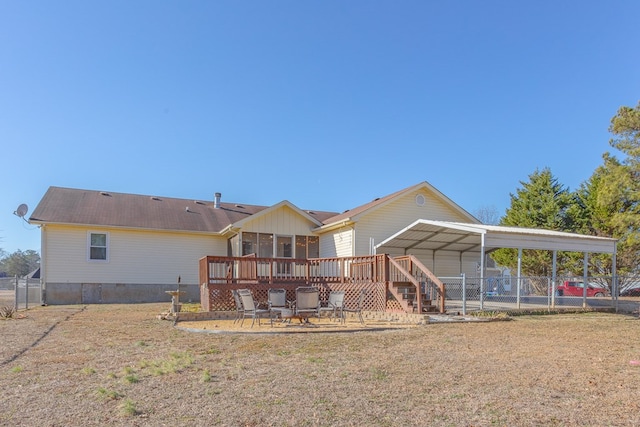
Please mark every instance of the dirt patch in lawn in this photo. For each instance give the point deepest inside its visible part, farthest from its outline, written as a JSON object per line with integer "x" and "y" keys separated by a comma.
{"x": 121, "y": 365}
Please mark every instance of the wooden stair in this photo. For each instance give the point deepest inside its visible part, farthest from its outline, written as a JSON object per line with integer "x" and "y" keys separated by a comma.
{"x": 407, "y": 293}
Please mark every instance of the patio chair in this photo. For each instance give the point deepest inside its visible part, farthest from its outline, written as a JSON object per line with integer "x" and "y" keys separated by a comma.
{"x": 335, "y": 304}
{"x": 249, "y": 307}
{"x": 277, "y": 300}
{"x": 358, "y": 309}
{"x": 307, "y": 302}
{"x": 238, "y": 302}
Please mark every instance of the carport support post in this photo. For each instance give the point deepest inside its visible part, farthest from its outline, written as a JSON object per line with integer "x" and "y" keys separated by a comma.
{"x": 553, "y": 279}
{"x": 464, "y": 294}
{"x": 585, "y": 272}
{"x": 482, "y": 255}
{"x": 614, "y": 278}
{"x": 519, "y": 279}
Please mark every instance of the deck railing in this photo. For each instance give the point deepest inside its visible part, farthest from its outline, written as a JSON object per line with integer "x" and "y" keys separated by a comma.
{"x": 219, "y": 275}
{"x": 375, "y": 273}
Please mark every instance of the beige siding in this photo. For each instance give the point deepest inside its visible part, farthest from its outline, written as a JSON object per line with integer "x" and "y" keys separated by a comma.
{"x": 135, "y": 257}
{"x": 337, "y": 243}
{"x": 391, "y": 218}
{"x": 284, "y": 221}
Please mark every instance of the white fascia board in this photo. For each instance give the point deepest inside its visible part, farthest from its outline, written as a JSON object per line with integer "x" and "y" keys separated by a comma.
{"x": 548, "y": 242}
{"x": 457, "y": 226}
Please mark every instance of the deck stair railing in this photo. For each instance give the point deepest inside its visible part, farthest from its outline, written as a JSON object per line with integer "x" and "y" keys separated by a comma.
{"x": 414, "y": 286}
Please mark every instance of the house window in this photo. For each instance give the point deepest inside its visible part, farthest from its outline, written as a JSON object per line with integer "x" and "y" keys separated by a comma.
{"x": 307, "y": 247}
{"x": 98, "y": 246}
{"x": 284, "y": 247}
{"x": 249, "y": 243}
{"x": 265, "y": 245}
{"x": 262, "y": 244}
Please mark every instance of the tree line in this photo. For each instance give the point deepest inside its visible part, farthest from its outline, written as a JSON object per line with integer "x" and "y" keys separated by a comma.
{"x": 19, "y": 263}
{"x": 607, "y": 204}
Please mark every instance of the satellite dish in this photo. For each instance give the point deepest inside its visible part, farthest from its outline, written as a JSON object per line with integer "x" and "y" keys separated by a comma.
{"x": 22, "y": 210}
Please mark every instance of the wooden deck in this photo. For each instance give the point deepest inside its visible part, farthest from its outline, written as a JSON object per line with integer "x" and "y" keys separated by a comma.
{"x": 392, "y": 284}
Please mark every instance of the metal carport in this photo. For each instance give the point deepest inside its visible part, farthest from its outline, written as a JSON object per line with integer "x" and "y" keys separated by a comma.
{"x": 482, "y": 239}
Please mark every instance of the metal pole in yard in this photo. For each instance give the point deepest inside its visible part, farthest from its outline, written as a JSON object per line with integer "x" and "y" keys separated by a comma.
{"x": 585, "y": 272}
{"x": 554, "y": 279}
{"x": 464, "y": 294}
{"x": 26, "y": 293}
{"x": 482, "y": 260}
{"x": 519, "y": 277}
{"x": 15, "y": 301}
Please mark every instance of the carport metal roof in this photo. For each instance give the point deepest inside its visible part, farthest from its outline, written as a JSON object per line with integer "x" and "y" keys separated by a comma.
{"x": 462, "y": 237}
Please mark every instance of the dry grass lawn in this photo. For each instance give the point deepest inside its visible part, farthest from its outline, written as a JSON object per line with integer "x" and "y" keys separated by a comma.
{"x": 120, "y": 365}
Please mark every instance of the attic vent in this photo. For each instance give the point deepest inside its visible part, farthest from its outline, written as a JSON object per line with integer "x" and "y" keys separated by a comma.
{"x": 240, "y": 206}
{"x": 376, "y": 199}
{"x": 311, "y": 212}
{"x": 104, "y": 193}
{"x": 187, "y": 209}
{"x": 158, "y": 199}
{"x": 198, "y": 202}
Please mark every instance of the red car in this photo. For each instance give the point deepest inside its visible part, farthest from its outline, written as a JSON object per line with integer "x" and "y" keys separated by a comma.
{"x": 576, "y": 289}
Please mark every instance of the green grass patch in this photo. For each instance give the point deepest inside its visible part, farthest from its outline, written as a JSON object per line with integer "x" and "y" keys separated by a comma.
{"x": 129, "y": 408}
{"x": 109, "y": 394}
{"x": 176, "y": 362}
{"x": 206, "y": 376}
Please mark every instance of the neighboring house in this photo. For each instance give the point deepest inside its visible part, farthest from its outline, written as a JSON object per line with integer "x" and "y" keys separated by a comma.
{"x": 112, "y": 247}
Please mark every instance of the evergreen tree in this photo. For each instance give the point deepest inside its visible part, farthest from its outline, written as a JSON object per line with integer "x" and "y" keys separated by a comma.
{"x": 542, "y": 202}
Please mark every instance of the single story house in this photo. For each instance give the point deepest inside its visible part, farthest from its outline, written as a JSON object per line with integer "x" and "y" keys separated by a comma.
{"x": 106, "y": 247}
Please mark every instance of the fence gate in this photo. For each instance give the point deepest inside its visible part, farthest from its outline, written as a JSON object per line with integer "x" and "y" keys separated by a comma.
{"x": 20, "y": 293}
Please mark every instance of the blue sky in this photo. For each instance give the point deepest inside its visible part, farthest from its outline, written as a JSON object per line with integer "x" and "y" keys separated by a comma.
{"x": 327, "y": 104}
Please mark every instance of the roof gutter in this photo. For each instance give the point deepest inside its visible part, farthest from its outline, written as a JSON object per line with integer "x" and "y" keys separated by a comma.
{"x": 336, "y": 225}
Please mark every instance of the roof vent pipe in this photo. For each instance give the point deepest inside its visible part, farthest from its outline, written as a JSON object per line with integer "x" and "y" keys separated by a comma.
{"x": 216, "y": 200}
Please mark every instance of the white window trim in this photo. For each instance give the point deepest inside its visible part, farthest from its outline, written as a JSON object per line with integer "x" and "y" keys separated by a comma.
{"x": 89, "y": 233}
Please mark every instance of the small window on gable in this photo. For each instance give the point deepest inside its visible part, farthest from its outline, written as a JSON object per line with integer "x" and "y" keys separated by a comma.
{"x": 98, "y": 246}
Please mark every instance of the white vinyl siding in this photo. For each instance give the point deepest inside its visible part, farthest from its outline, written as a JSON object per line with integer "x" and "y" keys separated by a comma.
{"x": 135, "y": 257}
{"x": 337, "y": 244}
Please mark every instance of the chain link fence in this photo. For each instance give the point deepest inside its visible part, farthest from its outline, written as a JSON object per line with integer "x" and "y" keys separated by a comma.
{"x": 20, "y": 293}
{"x": 505, "y": 293}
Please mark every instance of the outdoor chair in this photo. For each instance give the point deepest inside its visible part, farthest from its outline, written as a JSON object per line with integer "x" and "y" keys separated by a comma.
{"x": 358, "y": 309}
{"x": 238, "y": 302}
{"x": 277, "y": 300}
{"x": 307, "y": 302}
{"x": 335, "y": 304}
{"x": 249, "y": 307}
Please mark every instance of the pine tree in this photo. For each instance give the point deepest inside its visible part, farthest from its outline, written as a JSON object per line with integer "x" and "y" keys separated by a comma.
{"x": 544, "y": 203}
